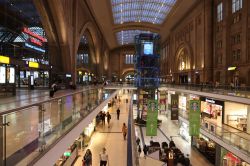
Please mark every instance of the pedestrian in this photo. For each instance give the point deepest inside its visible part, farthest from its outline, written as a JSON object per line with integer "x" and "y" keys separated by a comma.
{"x": 138, "y": 141}
{"x": 103, "y": 118}
{"x": 53, "y": 89}
{"x": 145, "y": 150}
{"x": 118, "y": 113}
{"x": 124, "y": 131}
{"x": 139, "y": 150}
{"x": 108, "y": 118}
{"x": 187, "y": 161}
{"x": 103, "y": 157}
{"x": 87, "y": 160}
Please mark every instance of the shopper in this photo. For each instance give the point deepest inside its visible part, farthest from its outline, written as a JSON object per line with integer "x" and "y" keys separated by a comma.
{"x": 145, "y": 150}
{"x": 187, "y": 161}
{"x": 124, "y": 131}
{"x": 139, "y": 150}
{"x": 103, "y": 157}
{"x": 103, "y": 115}
{"x": 108, "y": 118}
{"x": 118, "y": 113}
{"x": 87, "y": 158}
{"x": 138, "y": 141}
{"x": 53, "y": 89}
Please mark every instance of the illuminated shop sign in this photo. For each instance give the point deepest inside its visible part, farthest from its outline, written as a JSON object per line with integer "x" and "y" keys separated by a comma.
{"x": 33, "y": 64}
{"x": 35, "y": 41}
{"x": 34, "y": 47}
{"x": 29, "y": 32}
{"x": 68, "y": 75}
{"x": 4, "y": 59}
{"x": 210, "y": 101}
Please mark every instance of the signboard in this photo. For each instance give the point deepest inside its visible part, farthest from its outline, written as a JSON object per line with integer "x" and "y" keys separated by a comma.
{"x": 33, "y": 64}
{"x": 174, "y": 107}
{"x": 2, "y": 75}
{"x": 4, "y": 59}
{"x": 152, "y": 115}
{"x": 194, "y": 117}
{"x": 11, "y": 75}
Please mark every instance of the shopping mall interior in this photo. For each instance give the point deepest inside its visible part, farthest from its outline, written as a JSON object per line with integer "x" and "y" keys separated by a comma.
{"x": 125, "y": 82}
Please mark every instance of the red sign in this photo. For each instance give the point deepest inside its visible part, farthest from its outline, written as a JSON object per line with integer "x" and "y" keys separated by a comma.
{"x": 27, "y": 31}
{"x": 35, "y": 41}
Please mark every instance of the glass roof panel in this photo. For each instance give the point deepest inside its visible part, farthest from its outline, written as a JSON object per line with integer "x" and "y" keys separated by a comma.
{"x": 127, "y": 37}
{"x": 152, "y": 11}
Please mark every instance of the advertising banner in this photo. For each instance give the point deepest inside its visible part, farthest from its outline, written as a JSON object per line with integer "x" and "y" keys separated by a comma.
{"x": 194, "y": 117}
{"x": 174, "y": 107}
{"x": 152, "y": 115}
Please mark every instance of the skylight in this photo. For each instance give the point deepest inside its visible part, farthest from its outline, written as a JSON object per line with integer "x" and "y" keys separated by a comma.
{"x": 127, "y": 37}
{"x": 152, "y": 11}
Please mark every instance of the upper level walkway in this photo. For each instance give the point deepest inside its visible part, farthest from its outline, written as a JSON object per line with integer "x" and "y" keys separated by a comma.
{"x": 34, "y": 124}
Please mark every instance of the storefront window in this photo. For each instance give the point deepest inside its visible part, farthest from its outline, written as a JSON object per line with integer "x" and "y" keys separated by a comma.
{"x": 229, "y": 159}
{"x": 236, "y": 115}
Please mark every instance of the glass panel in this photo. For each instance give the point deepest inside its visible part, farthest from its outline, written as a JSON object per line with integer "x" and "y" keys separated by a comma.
{"x": 32, "y": 130}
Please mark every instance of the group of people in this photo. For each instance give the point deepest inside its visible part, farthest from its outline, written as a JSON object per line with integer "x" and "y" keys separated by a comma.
{"x": 104, "y": 115}
{"x": 87, "y": 159}
{"x": 145, "y": 148}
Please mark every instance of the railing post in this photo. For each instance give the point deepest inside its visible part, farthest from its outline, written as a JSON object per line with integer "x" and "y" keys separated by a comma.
{"x": 41, "y": 140}
{"x": 2, "y": 149}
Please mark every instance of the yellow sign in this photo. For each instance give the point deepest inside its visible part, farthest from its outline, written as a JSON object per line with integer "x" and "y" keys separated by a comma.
{"x": 231, "y": 68}
{"x": 4, "y": 59}
{"x": 33, "y": 64}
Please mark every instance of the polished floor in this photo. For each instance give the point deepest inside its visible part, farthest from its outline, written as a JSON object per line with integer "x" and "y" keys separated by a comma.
{"x": 110, "y": 138}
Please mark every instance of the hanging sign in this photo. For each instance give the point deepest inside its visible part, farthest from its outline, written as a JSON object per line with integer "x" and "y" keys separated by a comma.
{"x": 152, "y": 115}
{"x": 194, "y": 117}
{"x": 174, "y": 107}
{"x": 4, "y": 59}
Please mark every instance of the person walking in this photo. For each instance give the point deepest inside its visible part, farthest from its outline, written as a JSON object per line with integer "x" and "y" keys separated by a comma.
{"x": 145, "y": 150}
{"x": 103, "y": 157}
{"x": 53, "y": 89}
{"x": 139, "y": 150}
{"x": 124, "y": 131}
{"x": 108, "y": 118}
{"x": 87, "y": 159}
{"x": 118, "y": 113}
{"x": 138, "y": 141}
{"x": 103, "y": 118}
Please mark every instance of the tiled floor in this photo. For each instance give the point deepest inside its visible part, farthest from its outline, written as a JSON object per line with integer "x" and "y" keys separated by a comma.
{"x": 171, "y": 128}
{"x": 110, "y": 138}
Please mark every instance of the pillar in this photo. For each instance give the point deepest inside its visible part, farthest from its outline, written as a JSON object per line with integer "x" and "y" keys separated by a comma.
{"x": 248, "y": 119}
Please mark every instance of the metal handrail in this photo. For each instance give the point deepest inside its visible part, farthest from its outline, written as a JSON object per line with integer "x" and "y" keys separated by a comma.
{"x": 64, "y": 134}
{"x": 215, "y": 133}
{"x": 46, "y": 100}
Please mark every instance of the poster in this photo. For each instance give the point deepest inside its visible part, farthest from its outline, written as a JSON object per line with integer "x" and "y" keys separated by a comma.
{"x": 2, "y": 75}
{"x": 11, "y": 75}
{"x": 152, "y": 116}
{"x": 174, "y": 107}
{"x": 194, "y": 117}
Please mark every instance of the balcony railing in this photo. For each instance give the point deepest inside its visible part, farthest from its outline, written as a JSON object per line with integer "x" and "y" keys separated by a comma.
{"x": 239, "y": 140}
{"x": 30, "y": 131}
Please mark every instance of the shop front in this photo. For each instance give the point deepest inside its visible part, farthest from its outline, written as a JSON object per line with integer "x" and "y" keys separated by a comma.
{"x": 163, "y": 101}
{"x": 71, "y": 154}
{"x": 7, "y": 75}
{"x": 41, "y": 78}
{"x": 212, "y": 109}
{"x": 229, "y": 159}
{"x": 205, "y": 146}
{"x": 184, "y": 131}
{"x": 236, "y": 115}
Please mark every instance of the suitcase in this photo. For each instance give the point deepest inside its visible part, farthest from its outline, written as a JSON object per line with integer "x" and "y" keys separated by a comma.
{"x": 51, "y": 93}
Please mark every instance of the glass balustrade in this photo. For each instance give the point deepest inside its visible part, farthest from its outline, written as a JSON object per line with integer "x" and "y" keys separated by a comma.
{"x": 240, "y": 140}
{"x": 31, "y": 131}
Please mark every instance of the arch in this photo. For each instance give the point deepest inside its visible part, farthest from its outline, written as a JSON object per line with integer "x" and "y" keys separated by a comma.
{"x": 128, "y": 70}
{"x": 183, "y": 58}
{"x": 93, "y": 37}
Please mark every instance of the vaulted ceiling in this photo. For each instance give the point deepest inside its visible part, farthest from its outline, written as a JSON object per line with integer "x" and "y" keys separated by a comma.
{"x": 120, "y": 20}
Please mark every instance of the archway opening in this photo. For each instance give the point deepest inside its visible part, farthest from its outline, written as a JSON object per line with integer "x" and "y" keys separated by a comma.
{"x": 86, "y": 72}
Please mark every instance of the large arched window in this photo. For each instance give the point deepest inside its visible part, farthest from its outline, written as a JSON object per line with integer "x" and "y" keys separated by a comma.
{"x": 183, "y": 60}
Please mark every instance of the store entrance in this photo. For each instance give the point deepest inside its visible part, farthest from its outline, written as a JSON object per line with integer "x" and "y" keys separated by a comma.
{"x": 41, "y": 78}
{"x": 212, "y": 111}
{"x": 183, "y": 79}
